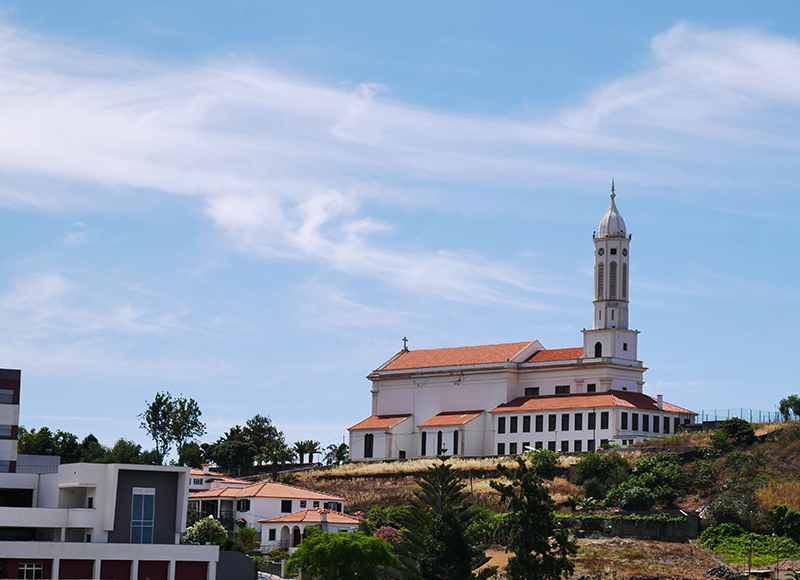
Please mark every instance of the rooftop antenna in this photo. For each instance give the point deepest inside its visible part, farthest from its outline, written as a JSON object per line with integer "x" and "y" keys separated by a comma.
{"x": 405, "y": 344}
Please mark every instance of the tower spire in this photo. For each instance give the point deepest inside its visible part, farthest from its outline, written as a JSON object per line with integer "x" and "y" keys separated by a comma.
{"x": 613, "y": 195}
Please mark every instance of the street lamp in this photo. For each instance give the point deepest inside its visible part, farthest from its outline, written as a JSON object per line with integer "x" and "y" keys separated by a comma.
{"x": 210, "y": 529}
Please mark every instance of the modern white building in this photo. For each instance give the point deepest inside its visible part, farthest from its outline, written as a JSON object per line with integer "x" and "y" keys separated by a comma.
{"x": 500, "y": 399}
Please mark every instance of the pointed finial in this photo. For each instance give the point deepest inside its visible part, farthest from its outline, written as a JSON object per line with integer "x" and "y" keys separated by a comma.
{"x": 405, "y": 344}
{"x": 613, "y": 195}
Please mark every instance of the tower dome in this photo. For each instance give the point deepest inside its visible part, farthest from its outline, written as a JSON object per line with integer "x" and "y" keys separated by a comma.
{"x": 612, "y": 225}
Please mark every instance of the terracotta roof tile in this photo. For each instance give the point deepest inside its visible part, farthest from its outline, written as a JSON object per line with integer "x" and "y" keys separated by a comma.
{"x": 313, "y": 516}
{"x": 554, "y": 354}
{"x": 266, "y": 489}
{"x": 465, "y": 355}
{"x": 379, "y": 422}
{"x": 450, "y": 418}
{"x": 588, "y": 400}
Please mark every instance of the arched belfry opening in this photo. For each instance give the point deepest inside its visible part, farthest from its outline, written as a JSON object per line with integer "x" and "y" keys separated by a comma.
{"x": 598, "y": 350}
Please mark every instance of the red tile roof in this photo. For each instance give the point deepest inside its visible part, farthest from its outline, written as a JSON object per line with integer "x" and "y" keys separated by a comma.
{"x": 266, "y": 489}
{"x": 197, "y": 471}
{"x": 588, "y": 400}
{"x": 557, "y": 354}
{"x": 313, "y": 516}
{"x": 465, "y": 355}
{"x": 450, "y": 418}
{"x": 379, "y": 422}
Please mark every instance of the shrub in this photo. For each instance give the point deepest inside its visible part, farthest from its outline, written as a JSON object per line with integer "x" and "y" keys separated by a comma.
{"x": 544, "y": 462}
{"x": 705, "y": 475}
{"x": 738, "y": 431}
{"x": 786, "y": 522}
{"x": 205, "y": 530}
{"x": 388, "y": 534}
{"x": 735, "y": 503}
{"x": 599, "y": 473}
{"x": 656, "y": 478}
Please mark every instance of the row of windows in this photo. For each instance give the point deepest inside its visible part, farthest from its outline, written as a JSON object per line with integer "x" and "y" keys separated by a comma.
{"x": 563, "y": 446}
{"x": 646, "y": 423}
{"x": 286, "y": 505}
{"x": 560, "y": 389}
{"x": 552, "y": 422}
{"x": 440, "y": 448}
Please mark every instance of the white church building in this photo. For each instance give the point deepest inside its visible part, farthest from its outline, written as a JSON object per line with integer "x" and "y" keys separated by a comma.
{"x": 500, "y": 399}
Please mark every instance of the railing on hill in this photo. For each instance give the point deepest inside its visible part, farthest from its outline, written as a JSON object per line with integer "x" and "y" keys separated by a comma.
{"x": 751, "y": 415}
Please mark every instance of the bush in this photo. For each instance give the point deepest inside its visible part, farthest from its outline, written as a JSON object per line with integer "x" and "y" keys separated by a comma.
{"x": 738, "y": 431}
{"x": 786, "y": 522}
{"x": 544, "y": 462}
{"x": 705, "y": 475}
{"x": 735, "y": 503}
{"x": 598, "y": 473}
{"x": 205, "y": 530}
{"x": 656, "y": 478}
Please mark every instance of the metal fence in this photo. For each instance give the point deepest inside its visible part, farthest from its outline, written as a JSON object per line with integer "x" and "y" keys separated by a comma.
{"x": 751, "y": 415}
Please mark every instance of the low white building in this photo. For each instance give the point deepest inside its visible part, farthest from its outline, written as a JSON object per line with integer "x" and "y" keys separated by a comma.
{"x": 205, "y": 479}
{"x": 287, "y": 531}
{"x": 499, "y": 399}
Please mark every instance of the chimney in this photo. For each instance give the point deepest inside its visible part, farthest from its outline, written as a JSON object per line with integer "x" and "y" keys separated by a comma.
{"x": 206, "y": 466}
{"x": 660, "y": 402}
{"x": 323, "y": 517}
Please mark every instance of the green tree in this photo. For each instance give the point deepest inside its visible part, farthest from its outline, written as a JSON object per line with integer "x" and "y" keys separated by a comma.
{"x": 190, "y": 455}
{"x": 92, "y": 451}
{"x": 125, "y": 451}
{"x": 205, "y": 530}
{"x": 789, "y": 406}
{"x": 308, "y": 446}
{"x": 276, "y": 452}
{"x": 232, "y": 455}
{"x": 341, "y": 556}
{"x": 157, "y": 421}
{"x": 337, "y": 454}
{"x": 655, "y": 478}
{"x": 738, "y": 431}
{"x": 437, "y": 543}
{"x": 597, "y": 473}
{"x": 544, "y": 462}
{"x": 186, "y": 425}
{"x": 541, "y": 549}
{"x": 259, "y": 430}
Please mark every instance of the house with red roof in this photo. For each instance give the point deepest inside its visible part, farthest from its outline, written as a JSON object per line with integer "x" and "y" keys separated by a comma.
{"x": 288, "y": 530}
{"x": 205, "y": 479}
{"x": 501, "y": 399}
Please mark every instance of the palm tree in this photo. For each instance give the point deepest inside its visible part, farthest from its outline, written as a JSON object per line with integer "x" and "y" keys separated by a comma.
{"x": 337, "y": 454}
{"x": 307, "y": 446}
{"x": 275, "y": 451}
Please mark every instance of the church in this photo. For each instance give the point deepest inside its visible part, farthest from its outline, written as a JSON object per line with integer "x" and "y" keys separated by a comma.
{"x": 503, "y": 399}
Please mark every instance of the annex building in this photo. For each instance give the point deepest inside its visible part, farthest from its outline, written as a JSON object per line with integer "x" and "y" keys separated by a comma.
{"x": 502, "y": 399}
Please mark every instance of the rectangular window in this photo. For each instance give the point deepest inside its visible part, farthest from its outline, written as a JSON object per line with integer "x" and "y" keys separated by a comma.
{"x": 30, "y": 571}
{"x": 565, "y": 422}
{"x": 604, "y": 420}
{"x": 286, "y": 506}
{"x": 624, "y": 346}
{"x": 565, "y": 447}
{"x": 531, "y": 391}
{"x": 645, "y": 422}
{"x": 623, "y": 420}
{"x": 526, "y": 424}
{"x": 242, "y": 505}
{"x": 677, "y": 424}
{"x": 613, "y": 251}
{"x": 666, "y": 424}
{"x": 142, "y": 515}
{"x": 303, "y": 503}
{"x": 576, "y": 446}
{"x": 526, "y": 446}
{"x": 90, "y": 503}
{"x": 656, "y": 424}
{"x": 315, "y": 504}
{"x": 512, "y": 448}
{"x": 590, "y": 446}
{"x": 272, "y": 534}
{"x": 578, "y": 421}
{"x": 501, "y": 448}
{"x": 591, "y": 388}
{"x": 603, "y": 442}
{"x": 501, "y": 424}
{"x": 5, "y": 431}
{"x": 551, "y": 445}
{"x": 539, "y": 423}
{"x": 5, "y": 465}
{"x": 538, "y": 445}
{"x": 634, "y": 421}
{"x": 197, "y": 481}
{"x": 512, "y": 427}
{"x": 591, "y": 420}
{"x": 6, "y": 397}
{"x": 551, "y": 422}
{"x": 562, "y": 389}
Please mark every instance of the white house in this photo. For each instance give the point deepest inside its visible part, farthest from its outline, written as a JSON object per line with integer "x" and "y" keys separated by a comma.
{"x": 499, "y": 399}
{"x": 259, "y": 501}
{"x": 287, "y": 531}
{"x": 205, "y": 479}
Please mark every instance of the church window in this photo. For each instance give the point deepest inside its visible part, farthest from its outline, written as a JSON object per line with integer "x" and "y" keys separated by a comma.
{"x": 562, "y": 390}
{"x": 613, "y": 251}
{"x": 501, "y": 424}
{"x": 623, "y": 420}
{"x": 551, "y": 445}
{"x": 551, "y": 422}
{"x": 612, "y": 315}
{"x": 440, "y": 450}
{"x": 526, "y": 424}
{"x": 600, "y": 281}
{"x": 578, "y": 421}
{"x": 591, "y": 388}
{"x": 591, "y": 419}
{"x": 531, "y": 391}
{"x": 612, "y": 281}
{"x": 656, "y": 426}
{"x": 513, "y": 423}
{"x": 624, "y": 281}
{"x": 645, "y": 422}
{"x": 565, "y": 447}
{"x": 455, "y": 442}
{"x": 565, "y": 422}
{"x": 423, "y": 451}
{"x": 604, "y": 420}
{"x": 576, "y": 446}
{"x": 539, "y": 423}
{"x": 635, "y": 421}
{"x": 501, "y": 448}
{"x": 512, "y": 448}
{"x": 369, "y": 439}
{"x": 598, "y": 350}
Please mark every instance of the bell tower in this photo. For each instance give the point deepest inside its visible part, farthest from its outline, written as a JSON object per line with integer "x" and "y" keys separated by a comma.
{"x": 610, "y": 336}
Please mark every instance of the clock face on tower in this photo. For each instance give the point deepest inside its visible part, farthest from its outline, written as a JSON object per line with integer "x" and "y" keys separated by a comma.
{"x": 600, "y": 252}
{"x": 624, "y": 251}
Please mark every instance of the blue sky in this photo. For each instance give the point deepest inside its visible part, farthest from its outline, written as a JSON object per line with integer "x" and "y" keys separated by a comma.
{"x": 252, "y": 203}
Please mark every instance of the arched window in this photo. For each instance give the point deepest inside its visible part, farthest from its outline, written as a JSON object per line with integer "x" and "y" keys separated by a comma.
{"x": 439, "y": 447}
{"x": 455, "y": 442}
{"x": 598, "y": 350}
{"x": 600, "y": 281}
{"x": 369, "y": 439}
{"x": 624, "y": 281}
{"x": 612, "y": 281}
{"x": 424, "y": 444}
